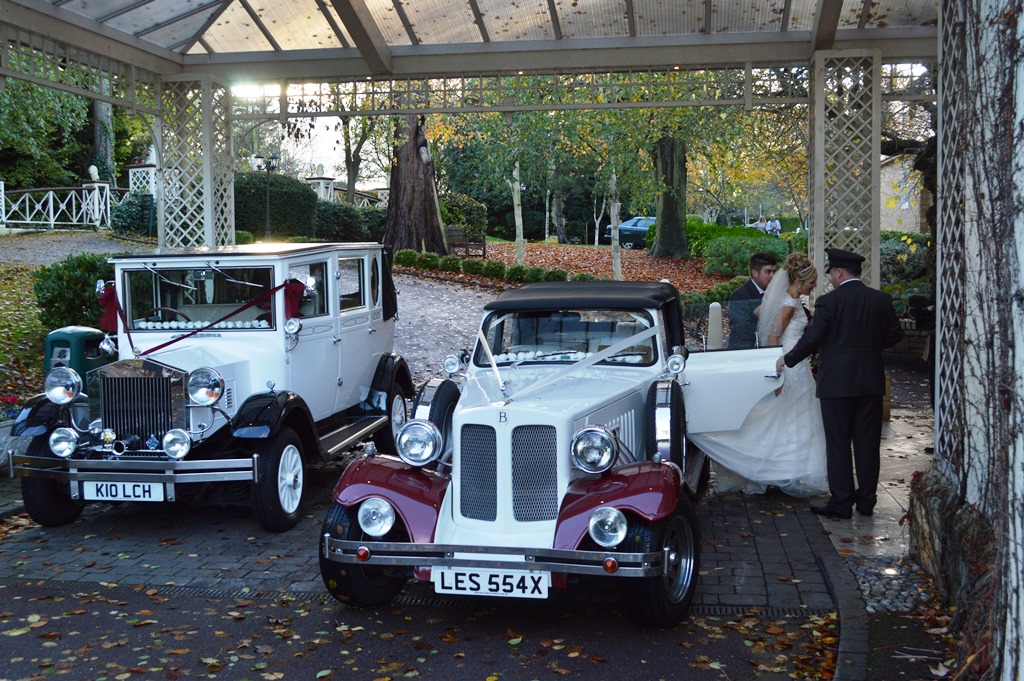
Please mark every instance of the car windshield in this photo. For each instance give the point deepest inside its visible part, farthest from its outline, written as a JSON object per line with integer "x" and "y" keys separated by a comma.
{"x": 159, "y": 298}
{"x": 568, "y": 336}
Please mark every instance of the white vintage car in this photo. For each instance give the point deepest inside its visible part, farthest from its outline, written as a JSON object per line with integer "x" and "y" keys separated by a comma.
{"x": 564, "y": 453}
{"x": 237, "y": 367}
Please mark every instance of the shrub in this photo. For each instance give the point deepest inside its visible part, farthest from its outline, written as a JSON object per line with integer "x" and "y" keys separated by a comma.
{"x": 473, "y": 266}
{"x": 406, "y": 257}
{"x": 338, "y": 222}
{"x": 535, "y": 274}
{"x": 901, "y": 261}
{"x": 373, "y": 218}
{"x": 66, "y": 291}
{"x": 701, "y": 234}
{"x": 428, "y": 261}
{"x": 583, "y": 276}
{"x": 292, "y": 205}
{"x": 694, "y": 303}
{"x": 243, "y": 237}
{"x": 556, "y": 274}
{"x": 516, "y": 273}
{"x": 450, "y": 263}
{"x": 731, "y": 255}
{"x": 720, "y": 292}
{"x": 460, "y": 209}
{"x": 495, "y": 269}
{"x": 129, "y": 216}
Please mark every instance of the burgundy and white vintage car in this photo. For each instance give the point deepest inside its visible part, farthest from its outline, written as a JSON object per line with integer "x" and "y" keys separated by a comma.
{"x": 563, "y": 453}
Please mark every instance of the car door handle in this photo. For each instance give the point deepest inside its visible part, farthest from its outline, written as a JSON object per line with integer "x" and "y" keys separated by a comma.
{"x": 775, "y": 375}
{"x": 335, "y": 339}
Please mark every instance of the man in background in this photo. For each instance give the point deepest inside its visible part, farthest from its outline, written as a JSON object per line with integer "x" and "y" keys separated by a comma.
{"x": 745, "y": 300}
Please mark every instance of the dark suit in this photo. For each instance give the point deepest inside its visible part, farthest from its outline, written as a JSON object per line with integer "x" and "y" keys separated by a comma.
{"x": 852, "y": 325}
{"x": 742, "y": 322}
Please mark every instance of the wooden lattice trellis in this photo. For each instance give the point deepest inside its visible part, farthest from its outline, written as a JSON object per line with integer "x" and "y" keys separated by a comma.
{"x": 198, "y": 209}
{"x": 844, "y": 184}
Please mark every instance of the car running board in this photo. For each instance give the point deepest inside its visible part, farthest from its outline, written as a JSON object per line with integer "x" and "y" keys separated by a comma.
{"x": 337, "y": 441}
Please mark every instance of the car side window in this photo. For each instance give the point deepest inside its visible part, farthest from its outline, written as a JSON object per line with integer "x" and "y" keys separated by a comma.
{"x": 350, "y": 284}
{"x": 314, "y": 298}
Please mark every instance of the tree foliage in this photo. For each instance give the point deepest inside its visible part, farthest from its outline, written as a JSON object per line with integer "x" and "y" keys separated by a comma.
{"x": 37, "y": 138}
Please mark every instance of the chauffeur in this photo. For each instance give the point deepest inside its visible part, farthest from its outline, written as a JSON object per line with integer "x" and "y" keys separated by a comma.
{"x": 852, "y": 325}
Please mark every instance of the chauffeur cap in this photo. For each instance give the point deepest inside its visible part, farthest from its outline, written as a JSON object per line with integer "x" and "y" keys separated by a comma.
{"x": 837, "y": 257}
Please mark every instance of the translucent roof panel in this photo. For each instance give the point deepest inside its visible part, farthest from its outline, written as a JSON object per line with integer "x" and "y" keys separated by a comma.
{"x": 598, "y": 19}
{"x": 445, "y": 38}
{"x": 235, "y": 31}
{"x": 437, "y": 22}
{"x": 668, "y": 17}
{"x": 522, "y": 20}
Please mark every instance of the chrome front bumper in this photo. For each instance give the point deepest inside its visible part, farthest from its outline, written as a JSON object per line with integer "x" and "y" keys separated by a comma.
{"x": 168, "y": 472}
{"x": 652, "y": 564}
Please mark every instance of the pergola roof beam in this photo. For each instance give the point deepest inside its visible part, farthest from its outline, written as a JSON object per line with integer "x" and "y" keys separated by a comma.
{"x": 556, "y": 27}
{"x": 406, "y": 24}
{"x": 260, "y": 25}
{"x": 322, "y": 6}
{"x": 478, "y": 19}
{"x": 180, "y": 17}
{"x": 366, "y": 34}
{"x": 826, "y": 23}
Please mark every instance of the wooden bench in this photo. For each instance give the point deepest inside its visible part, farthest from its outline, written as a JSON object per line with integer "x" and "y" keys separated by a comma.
{"x": 461, "y": 244}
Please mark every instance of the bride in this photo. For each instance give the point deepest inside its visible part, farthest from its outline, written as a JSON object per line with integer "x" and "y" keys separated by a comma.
{"x": 782, "y": 442}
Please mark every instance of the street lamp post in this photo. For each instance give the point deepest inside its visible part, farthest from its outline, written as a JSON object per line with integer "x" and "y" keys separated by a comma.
{"x": 270, "y": 165}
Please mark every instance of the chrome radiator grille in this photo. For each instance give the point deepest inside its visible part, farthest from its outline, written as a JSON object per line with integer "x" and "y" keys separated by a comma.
{"x": 137, "y": 406}
{"x": 478, "y": 468}
{"x": 534, "y": 473}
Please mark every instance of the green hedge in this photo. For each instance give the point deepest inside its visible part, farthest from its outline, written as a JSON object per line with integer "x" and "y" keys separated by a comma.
{"x": 473, "y": 266}
{"x": 701, "y": 234}
{"x": 335, "y": 221}
{"x": 66, "y": 291}
{"x": 731, "y": 255}
{"x": 515, "y": 273}
{"x": 428, "y": 261}
{"x": 406, "y": 257}
{"x": 460, "y": 209}
{"x": 450, "y": 263}
{"x": 293, "y": 205}
{"x": 495, "y": 269}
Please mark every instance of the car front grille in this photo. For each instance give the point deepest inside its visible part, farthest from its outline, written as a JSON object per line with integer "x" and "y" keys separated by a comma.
{"x": 139, "y": 399}
{"x": 479, "y": 473}
{"x": 534, "y": 473}
{"x": 136, "y": 406}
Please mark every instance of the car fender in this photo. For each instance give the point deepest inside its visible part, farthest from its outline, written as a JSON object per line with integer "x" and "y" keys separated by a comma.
{"x": 415, "y": 494}
{"x": 263, "y": 414}
{"x": 647, "y": 489}
{"x": 392, "y": 368}
{"x": 39, "y": 415}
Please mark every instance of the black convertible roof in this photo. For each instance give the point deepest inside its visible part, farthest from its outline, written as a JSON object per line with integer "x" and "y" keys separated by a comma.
{"x": 596, "y": 295}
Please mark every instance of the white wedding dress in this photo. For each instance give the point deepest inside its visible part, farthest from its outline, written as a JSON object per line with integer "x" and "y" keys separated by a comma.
{"x": 782, "y": 441}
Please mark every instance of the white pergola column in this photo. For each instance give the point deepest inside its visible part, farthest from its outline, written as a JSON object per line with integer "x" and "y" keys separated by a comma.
{"x": 845, "y": 127}
{"x": 196, "y": 205}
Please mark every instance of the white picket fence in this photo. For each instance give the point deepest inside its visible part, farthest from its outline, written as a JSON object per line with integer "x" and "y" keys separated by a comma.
{"x": 58, "y": 207}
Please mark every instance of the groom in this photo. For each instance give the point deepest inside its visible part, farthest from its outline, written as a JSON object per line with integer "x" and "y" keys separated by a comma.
{"x": 852, "y": 325}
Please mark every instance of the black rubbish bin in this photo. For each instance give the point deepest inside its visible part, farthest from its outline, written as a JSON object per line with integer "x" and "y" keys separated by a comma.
{"x": 77, "y": 347}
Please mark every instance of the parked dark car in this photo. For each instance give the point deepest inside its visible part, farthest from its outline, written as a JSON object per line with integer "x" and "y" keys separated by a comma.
{"x": 632, "y": 232}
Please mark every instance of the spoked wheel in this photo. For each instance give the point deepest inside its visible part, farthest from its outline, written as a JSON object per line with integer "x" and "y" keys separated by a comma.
{"x": 397, "y": 411}
{"x": 664, "y": 600}
{"x": 48, "y": 501}
{"x": 282, "y": 483}
{"x": 357, "y": 584}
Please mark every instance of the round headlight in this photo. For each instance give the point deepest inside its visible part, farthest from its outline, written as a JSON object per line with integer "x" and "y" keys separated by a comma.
{"x": 452, "y": 365}
{"x": 594, "y": 449}
{"x": 607, "y": 526}
{"x": 376, "y": 517}
{"x": 205, "y": 386}
{"x": 63, "y": 442}
{"x": 63, "y": 384}
{"x": 293, "y": 325}
{"x": 176, "y": 443}
{"x": 419, "y": 442}
{"x": 675, "y": 364}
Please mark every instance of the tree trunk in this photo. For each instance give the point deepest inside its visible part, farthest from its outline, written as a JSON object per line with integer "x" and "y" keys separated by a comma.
{"x": 103, "y": 140}
{"x": 613, "y": 192}
{"x": 413, "y": 219}
{"x": 560, "y": 219}
{"x": 517, "y": 208}
{"x": 670, "y": 166}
